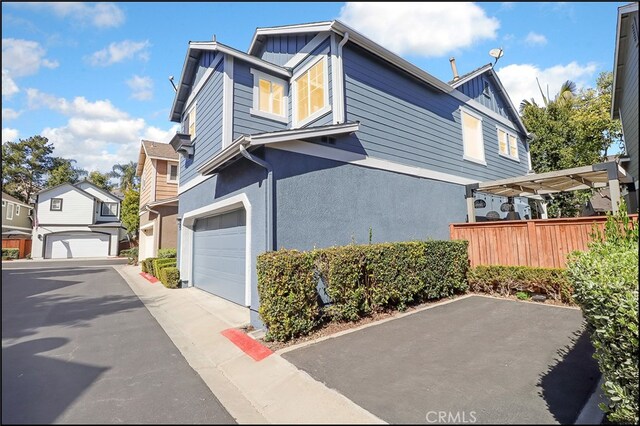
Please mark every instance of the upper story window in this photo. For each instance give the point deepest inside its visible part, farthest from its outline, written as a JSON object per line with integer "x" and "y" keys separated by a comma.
{"x": 172, "y": 173}
{"x": 109, "y": 209}
{"x": 472, "y": 138}
{"x": 507, "y": 144}
{"x": 4, "y": 203}
{"x": 10, "y": 211}
{"x": 56, "y": 204}
{"x": 189, "y": 125}
{"x": 270, "y": 97}
{"x": 311, "y": 92}
{"x": 17, "y": 210}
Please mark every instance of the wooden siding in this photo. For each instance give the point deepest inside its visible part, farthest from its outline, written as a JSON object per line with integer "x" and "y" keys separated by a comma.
{"x": 243, "y": 122}
{"x": 279, "y": 49}
{"x": 474, "y": 89}
{"x": 208, "y": 138}
{"x": 148, "y": 173}
{"x": 23, "y": 245}
{"x": 403, "y": 120}
{"x": 164, "y": 189}
{"x": 542, "y": 243}
{"x": 629, "y": 103}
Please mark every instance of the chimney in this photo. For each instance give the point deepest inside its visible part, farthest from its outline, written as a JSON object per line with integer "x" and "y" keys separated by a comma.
{"x": 454, "y": 69}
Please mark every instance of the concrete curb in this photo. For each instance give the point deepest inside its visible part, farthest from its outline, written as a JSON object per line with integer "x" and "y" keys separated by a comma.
{"x": 269, "y": 391}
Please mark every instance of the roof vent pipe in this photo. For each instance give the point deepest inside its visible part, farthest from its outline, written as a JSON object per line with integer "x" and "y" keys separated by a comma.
{"x": 454, "y": 69}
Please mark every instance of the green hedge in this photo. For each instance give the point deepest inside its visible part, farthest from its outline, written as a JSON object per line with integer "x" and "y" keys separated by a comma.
{"x": 131, "y": 254}
{"x": 10, "y": 253}
{"x": 358, "y": 279}
{"x": 605, "y": 279}
{"x": 170, "y": 277}
{"x": 167, "y": 253}
{"x": 509, "y": 280}
{"x": 147, "y": 265}
{"x": 158, "y": 264}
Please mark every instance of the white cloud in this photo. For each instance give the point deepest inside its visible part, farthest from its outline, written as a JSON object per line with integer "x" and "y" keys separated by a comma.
{"x": 520, "y": 79}
{"x": 9, "y": 135}
{"x": 535, "y": 39}
{"x": 97, "y": 134}
{"x": 100, "y": 15}
{"x": 24, "y": 57}
{"x": 9, "y": 87}
{"x": 142, "y": 87}
{"x": 427, "y": 29}
{"x": 10, "y": 114}
{"x": 118, "y": 52}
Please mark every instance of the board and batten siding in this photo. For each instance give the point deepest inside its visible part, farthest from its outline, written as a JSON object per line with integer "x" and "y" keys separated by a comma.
{"x": 629, "y": 104}
{"x": 474, "y": 89}
{"x": 243, "y": 122}
{"x": 403, "y": 120}
{"x": 206, "y": 59}
{"x": 164, "y": 189}
{"x": 208, "y": 138}
{"x": 77, "y": 208}
{"x": 148, "y": 173}
{"x": 279, "y": 49}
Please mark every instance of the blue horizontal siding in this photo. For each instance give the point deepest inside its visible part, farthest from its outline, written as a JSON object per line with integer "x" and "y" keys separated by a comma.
{"x": 403, "y": 120}
{"x": 208, "y": 125}
{"x": 279, "y": 49}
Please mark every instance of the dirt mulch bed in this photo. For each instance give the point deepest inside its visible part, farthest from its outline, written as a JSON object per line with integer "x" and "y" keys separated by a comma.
{"x": 331, "y": 328}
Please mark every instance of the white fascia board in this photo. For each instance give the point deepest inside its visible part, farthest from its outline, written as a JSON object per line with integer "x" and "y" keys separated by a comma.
{"x": 508, "y": 98}
{"x": 471, "y": 76}
{"x": 288, "y": 135}
{"x": 223, "y": 155}
{"x": 289, "y": 29}
{"x": 207, "y": 75}
{"x": 215, "y": 46}
{"x": 307, "y": 49}
{"x": 193, "y": 182}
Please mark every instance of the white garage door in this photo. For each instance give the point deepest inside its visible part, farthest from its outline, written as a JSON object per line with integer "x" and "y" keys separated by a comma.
{"x": 66, "y": 246}
{"x": 219, "y": 256}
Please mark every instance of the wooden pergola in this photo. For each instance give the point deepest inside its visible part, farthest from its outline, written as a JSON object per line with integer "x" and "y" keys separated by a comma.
{"x": 535, "y": 185}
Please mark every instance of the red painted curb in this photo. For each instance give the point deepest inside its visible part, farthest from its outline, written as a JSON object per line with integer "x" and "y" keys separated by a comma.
{"x": 149, "y": 277}
{"x": 251, "y": 347}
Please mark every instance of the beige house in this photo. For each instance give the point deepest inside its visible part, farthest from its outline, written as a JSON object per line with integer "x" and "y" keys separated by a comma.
{"x": 158, "y": 172}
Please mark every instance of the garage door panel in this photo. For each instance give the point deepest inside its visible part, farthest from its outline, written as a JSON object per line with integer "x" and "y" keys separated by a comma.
{"x": 68, "y": 246}
{"x": 219, "y": 244}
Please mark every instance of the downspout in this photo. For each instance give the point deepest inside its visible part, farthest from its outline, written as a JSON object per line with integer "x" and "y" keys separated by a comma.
{"x": 341, "y": 118}
{"x": 268, "y": 195}
{"x": 159, "y": 226}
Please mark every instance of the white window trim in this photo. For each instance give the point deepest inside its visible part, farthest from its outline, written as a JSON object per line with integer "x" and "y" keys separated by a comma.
{"x": 508, "y": 133}
{"x": 177, "y": 166}
{"x": 10, "y": 210}
{"x": 186, "y": 114}
{"x": 4, "y": 203}
{"x": 255, "y": 110}
{"x": 464, "y": 155}
{"x": 294, "y": 105}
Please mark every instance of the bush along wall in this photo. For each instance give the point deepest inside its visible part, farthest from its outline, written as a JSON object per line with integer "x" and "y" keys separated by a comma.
{"x": 158, "y": 264}
{"x": 510, "y": 280}
{"x": 605, "y": 279}
{"x": 10, "y": 253}
{"x": 358, "y": 279}
{"x": 170, "y": 277}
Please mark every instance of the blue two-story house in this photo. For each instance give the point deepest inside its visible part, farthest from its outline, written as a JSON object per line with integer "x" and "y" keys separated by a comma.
{"x": 318, "y": 135}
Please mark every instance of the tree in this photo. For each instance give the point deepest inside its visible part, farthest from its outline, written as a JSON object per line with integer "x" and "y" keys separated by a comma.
{"x": 126, "y": 173}
{"x": 24, "y": 166}
{"x": 571, "y": 130}
{"x": 101, "y": 180}
{"x": 129, "y": 212}
{"x": 64, "y": 171}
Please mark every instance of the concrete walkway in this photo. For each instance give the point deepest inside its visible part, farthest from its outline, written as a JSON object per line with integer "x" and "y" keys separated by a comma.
{"x": 269, "y": 391}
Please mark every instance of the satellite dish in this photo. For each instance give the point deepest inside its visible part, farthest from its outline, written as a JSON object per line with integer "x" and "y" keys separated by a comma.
{"x": 496, "y": 53}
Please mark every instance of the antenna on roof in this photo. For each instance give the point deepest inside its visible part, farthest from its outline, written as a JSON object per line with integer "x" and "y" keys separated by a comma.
{"x": 172, "y": 83}
{"x": 496, "y": 53}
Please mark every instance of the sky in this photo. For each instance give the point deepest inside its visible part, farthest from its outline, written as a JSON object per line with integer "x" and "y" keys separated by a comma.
{"x": 93, "y": 77}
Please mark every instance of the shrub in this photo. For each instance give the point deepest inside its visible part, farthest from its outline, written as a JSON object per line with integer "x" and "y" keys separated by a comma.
{"x": 131, "y": 254}
{"x": 508, "y": 280}
{"x": 605, "y": 279}
{"x": 170, "y": 277}
{"x": 358, "y": 279}
{"x": 10, "y": 253}
{"x": 166, "y": 253}
{"x": 287, "y": 288}
{"x": 158, "y": 264}
{"x": 147, "y": 265}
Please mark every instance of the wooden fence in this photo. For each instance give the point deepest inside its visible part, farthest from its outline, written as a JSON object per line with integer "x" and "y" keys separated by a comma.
{"x": 23, "y": 246}
{"x": 544, "y": 242}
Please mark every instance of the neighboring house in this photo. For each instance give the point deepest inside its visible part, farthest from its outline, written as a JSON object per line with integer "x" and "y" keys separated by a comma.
{"x": 72, "y": 221}
{"x": 16, "y": 216}
{"x": 624, "y": 104}
{"x": 318, "y": 135}
{"x": 158, "y": 172}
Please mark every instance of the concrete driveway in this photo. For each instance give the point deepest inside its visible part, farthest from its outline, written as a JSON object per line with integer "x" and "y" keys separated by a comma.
{"x": 476, "y": 359}
{"x": 79, "y": 347}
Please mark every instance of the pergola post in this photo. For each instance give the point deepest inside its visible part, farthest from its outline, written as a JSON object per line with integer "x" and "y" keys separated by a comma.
{"x": 544, "y": 214}
{"x": 470, "y": 198}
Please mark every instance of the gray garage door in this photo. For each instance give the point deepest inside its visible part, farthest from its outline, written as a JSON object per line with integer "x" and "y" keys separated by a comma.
{"x": 219, "y": 255}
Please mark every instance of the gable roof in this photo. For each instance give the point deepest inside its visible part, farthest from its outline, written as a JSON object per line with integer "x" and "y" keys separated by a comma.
{"x": 488, "y": 68}
{"x": 8, "y": 197}
{"x": 622, "y": 31}
{"x": 75, "y": 188}
{"x": 97, "y": 188}
{"x": 156, "y": 150}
